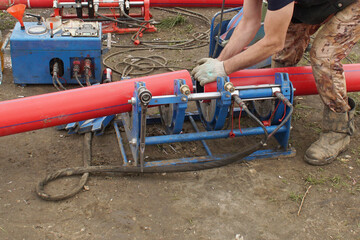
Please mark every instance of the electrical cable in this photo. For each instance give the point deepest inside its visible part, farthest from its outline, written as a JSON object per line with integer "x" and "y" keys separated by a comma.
{"x": 251, "y": 115}
{"x": 198, "y": 40}
{"x": 117, "y": 21}
{"x": 144, "y": 65}
{"x": 136, "y": 62}
{"x": 184, "y": 44}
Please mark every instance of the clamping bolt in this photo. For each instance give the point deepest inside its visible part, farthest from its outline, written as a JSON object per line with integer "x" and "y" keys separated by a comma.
{"x": 184, "y": 89}
{"x": 144, "y": 95}
{"x": 229, "y": 87}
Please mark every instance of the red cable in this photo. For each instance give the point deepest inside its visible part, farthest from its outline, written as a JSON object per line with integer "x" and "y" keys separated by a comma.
{"x": 284, "y": 112}
{"x": 232, "y": 134}
{"x": 113, "y": 12}
{"x": 272, "y": 115}
{"x": 63, "y": 79}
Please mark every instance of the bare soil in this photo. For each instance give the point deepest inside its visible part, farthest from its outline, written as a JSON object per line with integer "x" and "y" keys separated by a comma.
{"x": 254, "y": 200}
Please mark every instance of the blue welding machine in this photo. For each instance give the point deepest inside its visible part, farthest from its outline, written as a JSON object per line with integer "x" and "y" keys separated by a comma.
{"x": 35, "y": 50}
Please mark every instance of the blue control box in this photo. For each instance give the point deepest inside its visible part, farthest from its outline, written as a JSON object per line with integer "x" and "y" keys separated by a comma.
{"x": 35, "y": 50}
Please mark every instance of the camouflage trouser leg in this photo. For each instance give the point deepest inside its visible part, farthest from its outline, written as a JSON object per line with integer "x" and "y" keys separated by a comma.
{"x": 297, "y": 39}
{"x": 332, "y": 44}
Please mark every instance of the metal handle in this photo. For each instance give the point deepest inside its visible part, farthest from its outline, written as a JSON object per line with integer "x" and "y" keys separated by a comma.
{"x": 6, "y": 42}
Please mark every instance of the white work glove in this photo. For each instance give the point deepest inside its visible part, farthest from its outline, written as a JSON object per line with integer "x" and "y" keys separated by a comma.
{"x": 208, "y": 70}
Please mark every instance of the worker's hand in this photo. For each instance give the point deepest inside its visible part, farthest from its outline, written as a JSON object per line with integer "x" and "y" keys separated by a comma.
{"x": 208, "y": 70}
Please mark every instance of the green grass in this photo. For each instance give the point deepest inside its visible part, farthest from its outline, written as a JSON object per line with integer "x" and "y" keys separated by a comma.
{"x": 300, "y": 106}
{"x": 171, "y": 22}
{"x": 296, "y": 197}
{"x": 312, "y": 180}
{"x": 336, "y": 181}
{"x": 6, "y": 21}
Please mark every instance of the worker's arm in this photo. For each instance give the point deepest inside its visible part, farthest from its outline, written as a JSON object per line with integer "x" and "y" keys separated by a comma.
{"x": 245, "y": 31}
{"x": 275, "y": 25}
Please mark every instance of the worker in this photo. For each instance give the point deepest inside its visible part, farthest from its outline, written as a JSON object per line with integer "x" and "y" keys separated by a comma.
{"x": 288, "y": 26}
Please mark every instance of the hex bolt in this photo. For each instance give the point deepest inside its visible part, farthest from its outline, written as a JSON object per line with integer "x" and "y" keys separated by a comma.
{"x": 133, "y": 142}
{"x": 131, "y": 101}
{"x": 229, "y": 87}
{"x": 184, "y": 89}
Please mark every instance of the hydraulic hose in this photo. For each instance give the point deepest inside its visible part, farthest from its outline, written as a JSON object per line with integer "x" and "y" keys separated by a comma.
{"x": 281, "y": 97}
{"x": 219, "y": 32}
{"x": 55, "y": 78}
{"x": 118, "y": 21}
{"x": 252, "y": 116}
{"x": 76, "y": 75}
{"x": 132, "y": 18}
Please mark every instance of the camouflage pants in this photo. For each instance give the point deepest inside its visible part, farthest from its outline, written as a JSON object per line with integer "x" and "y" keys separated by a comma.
{"x": 332, "y": 43}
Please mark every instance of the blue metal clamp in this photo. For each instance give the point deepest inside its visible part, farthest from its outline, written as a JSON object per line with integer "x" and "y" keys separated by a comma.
{"x": 219, "y": 114}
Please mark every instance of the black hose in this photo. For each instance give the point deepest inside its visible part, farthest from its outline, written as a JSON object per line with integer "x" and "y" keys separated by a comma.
{"x": 281, "y": 97}
{"x": 118, "y": 21}
{"x": 55, "y": 78}
{"x": 219, "y": 32}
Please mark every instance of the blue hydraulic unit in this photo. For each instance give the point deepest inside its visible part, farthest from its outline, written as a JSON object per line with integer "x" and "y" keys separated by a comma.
{"x": 72, "y": 51}
{"x": 173, "y": 114}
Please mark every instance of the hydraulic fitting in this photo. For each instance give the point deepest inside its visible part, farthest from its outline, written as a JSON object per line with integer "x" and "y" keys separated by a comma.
{"x": 55, "y": 69}
{"x": 229, "y": 87}
{"x": 107, "y": 75}
{"x": 184, "y": 89}
{"x": 87, "y": 67}
{"x": 76, "y": 67}
{"x": 87, "y": 70}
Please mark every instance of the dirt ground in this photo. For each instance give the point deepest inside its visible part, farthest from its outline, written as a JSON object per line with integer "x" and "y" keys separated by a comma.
{"x": 253, "y": 200}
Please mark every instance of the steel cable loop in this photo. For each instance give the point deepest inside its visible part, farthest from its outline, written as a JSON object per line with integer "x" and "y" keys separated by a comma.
{"x": 87, "y": 155}
{"x": 86, "y": 170}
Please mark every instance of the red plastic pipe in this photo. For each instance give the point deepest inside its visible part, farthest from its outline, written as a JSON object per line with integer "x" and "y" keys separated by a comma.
{"x": 4, "y": 4}
{"x": 301, "y": 78}
{"x": 47, "y": 110}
